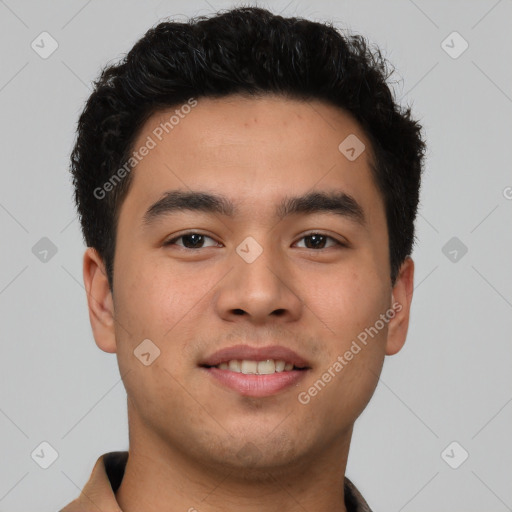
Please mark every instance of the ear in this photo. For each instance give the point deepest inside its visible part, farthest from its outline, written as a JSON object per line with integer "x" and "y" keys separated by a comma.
{"x": 99, "y": 301}
{"x": 401, "y": 298}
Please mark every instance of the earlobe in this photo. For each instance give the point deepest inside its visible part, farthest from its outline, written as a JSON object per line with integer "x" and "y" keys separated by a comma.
{"x": 99, "y": 301}
{"x": 401, "y": 297}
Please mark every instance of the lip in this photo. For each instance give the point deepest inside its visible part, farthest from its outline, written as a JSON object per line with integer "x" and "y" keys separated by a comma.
{"x": 256, "y": 385}
{"x": 241, "y": 352}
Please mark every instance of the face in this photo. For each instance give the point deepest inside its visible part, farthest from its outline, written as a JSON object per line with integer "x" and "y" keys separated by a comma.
{"x": 261, "y": 272}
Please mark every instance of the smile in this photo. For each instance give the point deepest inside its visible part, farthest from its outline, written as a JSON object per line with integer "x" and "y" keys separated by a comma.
{"x": 250, "y": 367}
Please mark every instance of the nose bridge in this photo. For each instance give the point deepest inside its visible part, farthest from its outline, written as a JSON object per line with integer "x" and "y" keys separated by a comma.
{"x": 259, "y": 283}
{"x": 258, "y": 265}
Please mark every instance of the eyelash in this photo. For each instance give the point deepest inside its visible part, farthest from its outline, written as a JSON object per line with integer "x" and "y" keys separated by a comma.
{"x": 173, "y": 240}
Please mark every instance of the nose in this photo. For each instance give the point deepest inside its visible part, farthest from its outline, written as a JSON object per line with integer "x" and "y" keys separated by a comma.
{"x": 260, "y": 290}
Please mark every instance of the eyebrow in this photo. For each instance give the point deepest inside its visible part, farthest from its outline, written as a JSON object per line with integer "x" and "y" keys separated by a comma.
{"x": 336, "y": 202}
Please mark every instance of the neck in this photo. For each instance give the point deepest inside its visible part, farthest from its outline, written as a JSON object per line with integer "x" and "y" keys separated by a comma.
{"x": 166, "y": 480}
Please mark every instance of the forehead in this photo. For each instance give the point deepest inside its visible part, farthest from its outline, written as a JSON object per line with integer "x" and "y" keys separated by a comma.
{"x": 254, "y": 150}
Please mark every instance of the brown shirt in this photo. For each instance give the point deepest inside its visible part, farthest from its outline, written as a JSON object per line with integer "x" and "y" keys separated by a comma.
{"x": 99, "y": 492}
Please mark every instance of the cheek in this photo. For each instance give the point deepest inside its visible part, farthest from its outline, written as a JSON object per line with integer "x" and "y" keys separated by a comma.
{"x": 154, "y": 296}
{"x": 163, "y": 303}
{"x": 153, "y": 304}
{"x": 348, "y": 299}
{"x": 349, "y": 308}
{"x": 350, "y": 304}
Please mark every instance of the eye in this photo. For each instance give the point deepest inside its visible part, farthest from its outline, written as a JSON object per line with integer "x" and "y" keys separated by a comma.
{"x": 318, "y": 240}
{"x": 191, "y": 240}
{"x": 195, "y": 240}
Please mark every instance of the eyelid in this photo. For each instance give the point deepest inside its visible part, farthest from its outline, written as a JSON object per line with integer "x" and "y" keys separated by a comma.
{"x": 339, "y": 243}
{"x": 171, "y": 241}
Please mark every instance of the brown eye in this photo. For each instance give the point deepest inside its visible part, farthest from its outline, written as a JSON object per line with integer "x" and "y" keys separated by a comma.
{"x": 190, "y": 241}
{"x": 318, "y": 241}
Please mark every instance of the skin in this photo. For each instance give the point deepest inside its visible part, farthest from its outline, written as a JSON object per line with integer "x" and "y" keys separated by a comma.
{"x": 187, "y": 432}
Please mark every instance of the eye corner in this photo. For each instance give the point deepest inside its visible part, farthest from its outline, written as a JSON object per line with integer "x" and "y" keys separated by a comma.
{"x": 337, "y": 242}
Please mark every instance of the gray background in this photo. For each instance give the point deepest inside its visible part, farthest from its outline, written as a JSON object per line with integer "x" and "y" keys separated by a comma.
{"x": 452, "y": 380}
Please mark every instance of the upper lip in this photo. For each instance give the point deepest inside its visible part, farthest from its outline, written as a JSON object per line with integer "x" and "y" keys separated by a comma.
{"x": 240, "y": 352}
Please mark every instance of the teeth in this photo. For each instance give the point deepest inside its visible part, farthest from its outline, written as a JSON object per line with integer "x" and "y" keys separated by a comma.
{"x": 234, "y": 366}
{"x": 280, "y": 366}
{"x": 249, "y": 367}
{"x": 266, "y": 367}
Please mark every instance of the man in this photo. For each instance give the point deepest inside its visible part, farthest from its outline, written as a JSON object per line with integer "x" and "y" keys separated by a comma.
{"x": 247, "y": 189}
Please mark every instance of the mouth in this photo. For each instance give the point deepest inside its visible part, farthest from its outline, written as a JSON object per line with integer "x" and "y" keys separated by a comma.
{"x": 255, "y": 371}
{"x": 256, "y": 379}
{"x": 253, "y": 367}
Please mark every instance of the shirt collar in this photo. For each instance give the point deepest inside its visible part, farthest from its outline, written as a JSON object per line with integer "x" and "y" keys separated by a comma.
{"x": 108, "y": 472}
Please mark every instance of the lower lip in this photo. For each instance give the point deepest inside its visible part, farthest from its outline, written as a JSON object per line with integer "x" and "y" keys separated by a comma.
{"x": 257, "y": 385}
